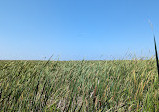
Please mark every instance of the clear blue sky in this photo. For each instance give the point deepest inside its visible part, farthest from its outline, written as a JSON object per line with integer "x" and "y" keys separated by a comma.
{"x": 77, "y": 29}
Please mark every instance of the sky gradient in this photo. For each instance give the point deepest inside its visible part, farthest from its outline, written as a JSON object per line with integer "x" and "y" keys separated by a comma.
{"x": 77, "y": 29}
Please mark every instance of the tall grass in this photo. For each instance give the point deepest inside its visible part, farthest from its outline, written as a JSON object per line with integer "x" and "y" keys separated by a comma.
{"x": 79, "y": 86}
{"x": 156, "y": 54}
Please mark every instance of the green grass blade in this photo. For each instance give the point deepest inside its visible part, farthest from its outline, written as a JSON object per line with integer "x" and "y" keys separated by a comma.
{"x": 156, "y": 56}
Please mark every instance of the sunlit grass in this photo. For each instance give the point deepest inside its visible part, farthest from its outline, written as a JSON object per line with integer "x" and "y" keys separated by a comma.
{"x": 79, "y": 86}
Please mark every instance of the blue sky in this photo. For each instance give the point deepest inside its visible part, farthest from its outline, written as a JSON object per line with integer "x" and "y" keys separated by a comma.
{"x": 77, "y": 29}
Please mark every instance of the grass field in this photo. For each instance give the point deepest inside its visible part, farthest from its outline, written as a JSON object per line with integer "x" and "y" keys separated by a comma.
{"x": 83, "y": 86}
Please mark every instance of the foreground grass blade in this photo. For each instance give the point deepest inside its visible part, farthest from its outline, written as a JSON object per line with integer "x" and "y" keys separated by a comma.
{"x": 156, "y": 56}
{"x": 155, "y": 48}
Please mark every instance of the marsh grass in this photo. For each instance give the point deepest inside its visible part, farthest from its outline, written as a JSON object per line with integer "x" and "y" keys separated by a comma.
{"x": 75, "y": 86}
{"x": 156, "y": 54}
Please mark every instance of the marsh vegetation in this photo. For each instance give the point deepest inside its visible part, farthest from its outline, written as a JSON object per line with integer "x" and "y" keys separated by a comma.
{"x": 117, "y": 85}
